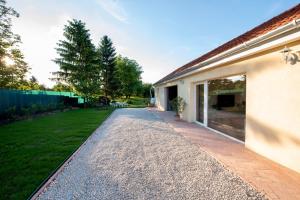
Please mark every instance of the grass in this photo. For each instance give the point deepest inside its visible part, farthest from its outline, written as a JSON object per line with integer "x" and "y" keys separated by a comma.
{"x": 135, "y": 102}
{"x": 30, "y": 150}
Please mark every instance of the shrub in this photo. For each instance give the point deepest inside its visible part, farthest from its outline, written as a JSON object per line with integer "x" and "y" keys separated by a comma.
{"x": 10, "y": 113}
{"x": 25, "y": 111}
{"x": 147, "y": 101}
{"x": 104, "y": 101}
{"x": 40, "y": 108}
{"x": 61, "y": 106}
{"x": 51, "y": 107}
{"x": 33, "y": 109}
{"x": 178, "y": 105}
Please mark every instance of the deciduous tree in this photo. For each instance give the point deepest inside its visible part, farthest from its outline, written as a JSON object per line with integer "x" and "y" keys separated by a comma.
{"x": 13, "y": 68}
{"x": 130, "y": 76}
{"x": 62, "y": 87}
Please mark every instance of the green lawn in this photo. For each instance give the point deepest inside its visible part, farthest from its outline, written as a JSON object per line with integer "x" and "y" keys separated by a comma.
{"x": 30, "y": 150}
{"x": 135, "y": 102}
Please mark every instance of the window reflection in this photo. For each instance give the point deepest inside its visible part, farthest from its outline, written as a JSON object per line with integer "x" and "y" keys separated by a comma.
{"x": 200, "y": 102}
{"x": 227, "y": 105}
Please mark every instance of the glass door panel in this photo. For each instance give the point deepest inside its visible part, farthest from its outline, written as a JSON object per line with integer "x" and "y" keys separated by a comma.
{"x": 200, "y": 103}
{"x": 227, "y": 105}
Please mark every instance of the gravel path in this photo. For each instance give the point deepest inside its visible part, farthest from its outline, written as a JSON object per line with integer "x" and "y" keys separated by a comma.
{"x": 135, "y": 155}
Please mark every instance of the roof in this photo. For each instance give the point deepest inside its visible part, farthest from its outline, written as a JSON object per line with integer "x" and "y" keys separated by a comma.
{"x": 272, "y": 24}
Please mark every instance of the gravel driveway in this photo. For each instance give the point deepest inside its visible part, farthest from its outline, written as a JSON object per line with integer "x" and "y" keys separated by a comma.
{"x": 135, "y": 155}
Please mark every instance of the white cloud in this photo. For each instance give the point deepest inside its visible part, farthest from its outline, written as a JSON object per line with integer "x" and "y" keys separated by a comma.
{"x": 114, "y": 8}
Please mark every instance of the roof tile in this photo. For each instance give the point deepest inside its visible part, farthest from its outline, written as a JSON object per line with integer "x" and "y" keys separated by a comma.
{"x": 272, "y": 24}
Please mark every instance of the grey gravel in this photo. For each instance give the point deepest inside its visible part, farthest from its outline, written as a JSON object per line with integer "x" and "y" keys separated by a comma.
{"x": 135, "y": 155}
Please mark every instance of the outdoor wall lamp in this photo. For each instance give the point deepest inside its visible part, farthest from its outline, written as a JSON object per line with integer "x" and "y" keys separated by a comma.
{"x": 289, "y": 56}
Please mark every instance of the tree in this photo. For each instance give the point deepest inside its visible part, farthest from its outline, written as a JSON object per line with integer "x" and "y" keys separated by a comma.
{"x": 107, "y": 63}
{"x": 77, "y": 60}
{"x": 146, "y": 90}
{"x": 13, "y": 68}
{"x": 60, "y": 87}
{"x": 33, "y": 79}
{"x": 129, "y": 76}
{"x": 34, "y": 84}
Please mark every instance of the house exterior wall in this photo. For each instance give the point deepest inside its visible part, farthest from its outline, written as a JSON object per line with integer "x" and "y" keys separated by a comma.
{"x": 272, "y": 103}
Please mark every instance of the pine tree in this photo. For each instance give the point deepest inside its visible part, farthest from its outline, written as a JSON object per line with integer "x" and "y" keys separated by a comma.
{"x": 77, "y": 60}
{"x": 107, "y": 62}
{"x": 13, "y": 68}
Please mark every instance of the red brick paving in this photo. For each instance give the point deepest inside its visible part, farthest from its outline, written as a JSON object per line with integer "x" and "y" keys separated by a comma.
{"x": 276, "y": 181}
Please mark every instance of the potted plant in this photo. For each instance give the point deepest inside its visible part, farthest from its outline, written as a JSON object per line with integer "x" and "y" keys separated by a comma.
{"x": 178, "y": 105}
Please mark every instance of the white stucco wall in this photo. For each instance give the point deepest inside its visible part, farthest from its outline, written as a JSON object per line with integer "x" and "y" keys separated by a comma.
{"x": 272, "y": 107}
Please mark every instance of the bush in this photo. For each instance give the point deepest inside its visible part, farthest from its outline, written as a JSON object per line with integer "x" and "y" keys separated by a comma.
{"x": 178, "y": 104}
{"x": 40, "y": 108}
{"x": 51, "y": 107}
{"x": 33, "y": 109}
{"x": 61, "y": 106}
{"x": 13, "y": 113}
{"x": 104, "y": 101}
{"x": 10, "y": 113}
{"x": 25, "y": 111}
{"x": 147, "y": 101}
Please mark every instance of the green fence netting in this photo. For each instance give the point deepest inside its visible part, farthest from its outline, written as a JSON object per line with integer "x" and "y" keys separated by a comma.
{"x": 24, "y": 98}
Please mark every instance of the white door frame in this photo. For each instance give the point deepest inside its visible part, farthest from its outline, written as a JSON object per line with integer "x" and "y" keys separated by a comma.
{"x": 205, "y": 83}
{"x": 205, "y": 118}
{"x": 165, "y": 98}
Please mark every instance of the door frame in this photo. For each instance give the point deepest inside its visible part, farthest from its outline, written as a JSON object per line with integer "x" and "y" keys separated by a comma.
{"x": 166, "y": 92}
{"x": 205, "y": 84}
{"x": 205, "y": 118}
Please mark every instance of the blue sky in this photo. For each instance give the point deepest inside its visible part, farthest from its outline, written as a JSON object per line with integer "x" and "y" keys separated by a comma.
{"x": 160, "y": 35}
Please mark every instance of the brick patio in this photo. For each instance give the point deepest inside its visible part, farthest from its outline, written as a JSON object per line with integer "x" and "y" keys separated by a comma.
{"x": 276, "y": 181}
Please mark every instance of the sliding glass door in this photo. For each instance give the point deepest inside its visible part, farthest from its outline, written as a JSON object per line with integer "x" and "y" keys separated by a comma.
{"x": 200, "y": 103}
{"x": 227, "y": 105}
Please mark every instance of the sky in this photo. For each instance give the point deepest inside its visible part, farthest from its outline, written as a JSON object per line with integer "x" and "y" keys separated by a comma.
{"x": 160, "y": 35}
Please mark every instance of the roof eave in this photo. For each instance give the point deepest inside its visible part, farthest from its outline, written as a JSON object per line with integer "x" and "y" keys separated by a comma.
{"x": 236, "y": 50}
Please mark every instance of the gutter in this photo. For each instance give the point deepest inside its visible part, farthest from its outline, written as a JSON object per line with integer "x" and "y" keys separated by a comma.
{"x": 235, "y": 50}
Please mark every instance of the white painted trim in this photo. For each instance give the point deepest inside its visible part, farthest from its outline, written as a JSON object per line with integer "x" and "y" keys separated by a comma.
{"x": 247, "y": 49}
{"x": 204, "y": 83}
{"x": 199, "y": 123}
{"x": 205, "y": 118}
{"x": 195, "y": 102}
{"x": 225, "y": 135}
{"x": 220, "y": 133}
{"x": 166, "y": 98}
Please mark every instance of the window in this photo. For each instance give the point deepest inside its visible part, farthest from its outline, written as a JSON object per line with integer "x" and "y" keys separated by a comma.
{"x": 200, "y": 103}
{"x": 227, "y": 105}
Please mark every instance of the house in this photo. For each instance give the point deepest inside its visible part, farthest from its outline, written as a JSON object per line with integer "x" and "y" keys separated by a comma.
{"x": 247, "y": 89}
